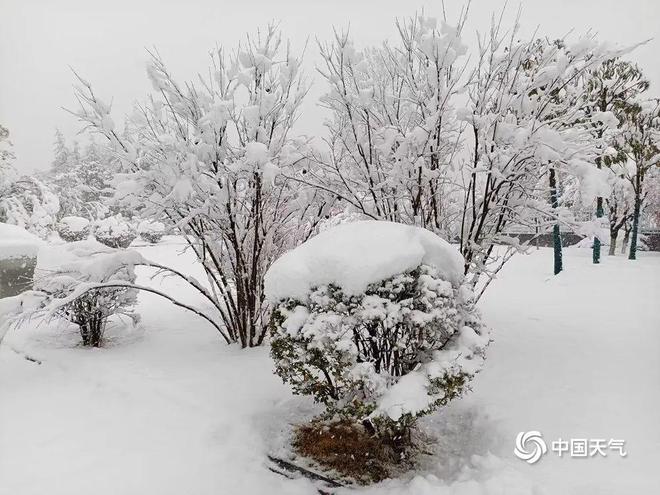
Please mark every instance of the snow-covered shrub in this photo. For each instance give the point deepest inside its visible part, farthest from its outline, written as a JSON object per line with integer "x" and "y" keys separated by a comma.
{"x": 12, "y": 307}
{"x": 221, "y": 169}
{"x": 337, "y": 218}
{"x": 31, "y": 204}
{"x": 68, "y": 276}
{"x": 373, "y": 320}
{"x": 151, "y": 231}
{"x": 115, "y": 232}
{"x": 73, "y": 228}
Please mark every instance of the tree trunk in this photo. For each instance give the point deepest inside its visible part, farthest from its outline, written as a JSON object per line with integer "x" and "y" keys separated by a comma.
{"x": 91, "y": 332}
{"x": 635, "y": 226}
{"x": 613, "y": 237}
{"x": 556, "y": 234}
{"x": 624, "y": 244}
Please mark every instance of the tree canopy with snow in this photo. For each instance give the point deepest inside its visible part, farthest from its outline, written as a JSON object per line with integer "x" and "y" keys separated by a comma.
{"x": 209, "y": 157}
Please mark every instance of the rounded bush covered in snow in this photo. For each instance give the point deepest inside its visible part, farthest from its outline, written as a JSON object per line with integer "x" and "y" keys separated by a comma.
{"x": 115, "y": 232}
{"x": 73, "y": 228}
{"x": 151, "y": 231}
{"x": 373, "y": 320}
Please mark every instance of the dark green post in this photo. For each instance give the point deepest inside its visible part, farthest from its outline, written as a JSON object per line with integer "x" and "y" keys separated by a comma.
{"x": 556, "y": 234}
{"x": 599, "y": 214}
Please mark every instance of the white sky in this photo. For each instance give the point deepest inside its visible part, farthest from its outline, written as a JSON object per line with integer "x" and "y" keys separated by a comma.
{"x": 105, "y": 41}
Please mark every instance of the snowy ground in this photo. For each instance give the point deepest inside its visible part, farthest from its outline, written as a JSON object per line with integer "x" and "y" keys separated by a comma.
{"x": 167, "y": 408}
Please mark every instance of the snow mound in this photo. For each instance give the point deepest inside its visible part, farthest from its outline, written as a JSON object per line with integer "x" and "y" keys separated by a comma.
{"x": 75, "y": 224}
{"x": 16, "y": 242}
{"x": 151, "y": 226}
{"x": 115, "y": 226}
{"x": 355, "y": 255}
{"x": 408, "y": 395}
{"x": 12, "y": 306}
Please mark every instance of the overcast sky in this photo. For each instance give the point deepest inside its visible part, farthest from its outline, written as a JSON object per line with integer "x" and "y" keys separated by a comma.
{"x": 105, "y": 41}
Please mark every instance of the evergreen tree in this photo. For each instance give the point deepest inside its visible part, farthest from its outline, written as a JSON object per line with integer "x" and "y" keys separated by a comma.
{"x": 619, "y": 204}
{"x": 611, "y": 86}
{"x": 640, "y": 141}
{"x": 61, "y": 153}
{"x": 558, "y": 97}
{"x": 6, "y": 157}
{"x": 81, "y": 180}
{"x": 94, "y": 174}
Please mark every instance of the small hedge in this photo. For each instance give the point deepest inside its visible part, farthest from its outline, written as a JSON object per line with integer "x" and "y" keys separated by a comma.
{"x": 400, "y": 350}
{"x": 73, "y": 229}
{"x": 115, "y": 232}
{"x": 151, "y": 232}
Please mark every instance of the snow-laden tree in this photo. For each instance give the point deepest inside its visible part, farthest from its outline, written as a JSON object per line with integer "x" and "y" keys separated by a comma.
{"x": 6, "y": 154}
{"x": 640, "y": 142}
{"x": 392, "y": 132}
{"x": 554, "y": 171}
{"x": 611, "y": 87}
{"x": 94, "y": 177}
{"x": 651, "y": 201}
{"x": 30, "y": 203}
{"x": 61, "y": 153}
{"x": 8, "y": 174}
{"x": 212, "y": 157}
{"x": 82, "y": 181}
{"x": 524, "y": 121}
{"x": 401, "y": 147}
{"x": 620, "y": 203}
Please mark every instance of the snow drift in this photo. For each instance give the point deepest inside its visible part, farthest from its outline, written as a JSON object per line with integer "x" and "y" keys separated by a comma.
{"x": 337, "y": 256}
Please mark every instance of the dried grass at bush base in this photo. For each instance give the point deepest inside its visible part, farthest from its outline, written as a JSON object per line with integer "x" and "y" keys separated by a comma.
{"x": 350, "y": 450}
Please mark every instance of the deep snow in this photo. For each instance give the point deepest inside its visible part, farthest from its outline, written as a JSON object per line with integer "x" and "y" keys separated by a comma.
{"x": 75, "y": 224}
{"x": 356, "y": 254}
{"x": 169, "y": 409}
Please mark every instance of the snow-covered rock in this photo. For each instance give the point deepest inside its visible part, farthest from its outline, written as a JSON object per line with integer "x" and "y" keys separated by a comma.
{"x": 354, "y": 255}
